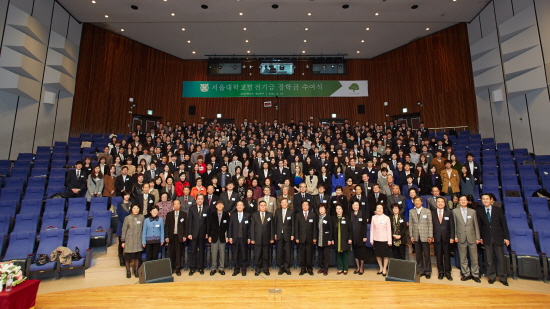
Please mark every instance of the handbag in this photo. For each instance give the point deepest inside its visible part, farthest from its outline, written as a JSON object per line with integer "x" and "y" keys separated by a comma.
{"x": 76, "y": 255}
{"x": 100, "y": 229}
{"x": 67, "y": 230}
{"x": 42, "y": 259}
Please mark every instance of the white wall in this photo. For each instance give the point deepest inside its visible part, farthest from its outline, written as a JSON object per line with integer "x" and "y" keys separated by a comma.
{"x": 38, "y": 61}
{"x": 510, "y": 49}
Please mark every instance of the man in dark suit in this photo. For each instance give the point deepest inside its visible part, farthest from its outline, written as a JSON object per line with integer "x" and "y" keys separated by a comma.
{"x": 473, "y": 168}
{"x": 229, "y": 198}
{"x": 375, "y": 198}
{"x": 173, "y": 165}
{"x": 257, "y": 163}
{"x": 306, "y": 232}
{"x": 284, "y": 235}
{"x": 361, "y": 199}
{"x": 279, "y": 174}
{"x": 366, "y": 185}
{"x": 152, "y": 173}
{"x": 261, "y": 237}
{"x": 239, "y": 238}
{"x": 123, "y": 181}
{"x": 218, "y": 224}
{"x": 145, "y": 200}
{"x": 444, "y": 234}
{"x": 223, "y": 177}
{"x": 494, "y": 234}
{"x": 396, "y": 198}
{"x": 301, "y": 197}
{"x": 210, "y": 198}
{"x": 432, "y": 200}
{"x": 353, "y": 172}
{"x": 198, "y": 224}
{"x": 77, "y": 180}
{"x": 321, "y": 197}
{"x": 175, "y": 231}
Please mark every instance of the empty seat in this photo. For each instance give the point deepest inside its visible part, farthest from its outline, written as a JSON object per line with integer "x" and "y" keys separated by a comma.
{"x": 526, "y": 169}
{"x": 489, "y": 169}
{"x": 503, "y": 146}
{"x": 43, "y": 150}
{"x": 20, "y": 172}
{"x": 26, "y": 222}
{"x": 513, "y": 203}
{"x": 101, "y": 221}
{"x": 516, "y": 219}
{"x": 79, "y": 237}
{"x": 36, "y": 182}
{"x": 39, "y": 172}
{"x": 509, "y": 180}
{"x": 52, "y": 190}
{"x": 49, "y": 241}
{"x": 55, "y": 205}
{"x": 59, "y": 163}
{"x": 15, "y": 182}
{"x": 25, "y": 156}
{"x": 528, "y": 259}
{"x": 35, "y": 193}
{"x": 77, "y": 204}
{"x": 58, "y": 173}
{"x": 492, "y": 189}
{"x": 508, "y": 189}
{"x": 10, "y": 194}
{"x": 56, "y": 181}
{"x": 21, "y": 246}
{"x": 529, "y": 190}
{"x": 41, "y": 164}
{"x": 489, "y": 160}
{"x": 77, "y": 219}
{"x": 8, "y": 207}
{"x": 521, "y": 152}
{"x": 540, "y": 219}
{"x": 5, "y": 224}
{"x": 52, "y": 219}
{"x": 536, "y": 203}
{"x": 98, "y": 204}
{"x": 29, "y": 206}
{"x": 529, "y": 180}
{"x": 60, "y": 144}
{"x": 490, "y": 179}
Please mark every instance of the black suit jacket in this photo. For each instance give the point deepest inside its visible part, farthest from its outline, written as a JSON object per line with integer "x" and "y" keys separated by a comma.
{"x": 229, "y": 202}
{"x": 358, "y": 227}
{"x": 213, "y": 201}
{"x": 227, "y": 178}
{"x": 218, "y": 231}
{"x": 246, "y": 222}
{"x": 170, "y": 224}
{"x": 444, "y": 231}
{"x": 355, "y": 175}
{"x": 72, "y": 182}
{"x": 327, "y": 182}
{"x": 363, "y": 203}
{"x": 262, "y": 177}
{"x": 260, "y": 233}
{"x": 120, "y": 184}
{"x": 382, "y": 199}
{"x": 278, "y": 177}
{"x": 285, "y": 230}
{"x": 198, "y": 223}
{"x": 495, "y": 231}
{"x": 317, "y": 200}
{"x": 476, "y": 172}
{"x": 298, "y": 199}
{"x": 326, "y": 230}
{"x": 141, "y": 201}
{"x": 306, "y": 230}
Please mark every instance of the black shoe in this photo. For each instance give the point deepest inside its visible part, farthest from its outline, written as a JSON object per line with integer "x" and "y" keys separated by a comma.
{"x": 288, "y": 272}
{"x": 449, "y": 277}
{"x": 476, "y": 279}
{"x": 281, "y": 272}
{"x": 212, "y": 272}
{"x": 466, "y": 278}
{"x": 257, "y": 273}
{"x": 302, "y": 272}
{"x": 267, "y": 272}
{"x": 121, "y": 260}
{"x": 491, "y": 281}
{"x": 136, "y": 273}
{"x": 310, "y": 272}
{"x": 201, "y": 271}
{"x": 128, "y": 274}
{"x": 244, "y": 273}
{"x": 420, "y": 274}
{"x": 505, "y": 283}
{"x": 379, "y": 273}
{"x": 428, "y": 276}
{"x": 222, "y": 272}
{"x": 191, "y": 272}
{"x": 440, "y": 276}
{"x": 178, "y": 272}
{"x": 236, "y": 272}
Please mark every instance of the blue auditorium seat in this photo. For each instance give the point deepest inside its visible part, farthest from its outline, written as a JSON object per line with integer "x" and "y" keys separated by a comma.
{"x": 516, "y": 219}
{"x": 26, "y": 222}
{"x": 8, "y": 207}
{"x": 79, "y": 237}
{"x": 55, "y": 205}
{"x": 98, "y": 204}
{"x": 49, "y": 241}
{"x": 21, "y": 246}
{"x": 77, "y": 218}
{"x": 52, "y": 219}
{"x": 101, "y": 220}
{"x": 536, "y": 203}
{"x": 528, "y": 259}
{"x": 30, "y": 206}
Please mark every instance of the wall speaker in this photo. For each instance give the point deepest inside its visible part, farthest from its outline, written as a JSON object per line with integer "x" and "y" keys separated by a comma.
{"x": 192, "y": 109}
{"x": 361, "y": 109}
{"x": 155, "y": 271}
{"x": 497, "y": 96}
{"x": 403, "y": 271}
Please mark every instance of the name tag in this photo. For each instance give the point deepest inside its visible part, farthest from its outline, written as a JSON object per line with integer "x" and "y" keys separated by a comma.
{"x": 268, "y": 219}
{"x": 400, "y": 220}
{"x": 224, "y": 221}
{"x": 245, "y": 222}
{"x": 138, "y": 222}
{"x": 356, "y": 173}
{"x": 271, "y": 203}
{"x": 181, "y": 220}
{"x": 475, "y": 167}
{"x": 284, "y": 173}
{"x": 469, "y": 217}
{"x": 343, "y": 222}
{"x": 204, "y": 215}
{"x": 326, "y": 232}
{"x": 324, "y": 201}
{"x": 233, "y": 199}
{"x": 400, "y": 202}
{"x": 368, "y": 188}
{"x": 310, "y": 220}
{"x": 334, "y": 202}
{"x": 447, "y": 218}
{"x": 325, "y": 221}
{"x": 189, "y": 203}
{"x": 383, "y": 222}
{"x": 157, "y": 225}
{"x": 467, "y": 178}
{"x": 251, "y": 204}
{"x": 425, "y": 216}
{"x": 360, "y": 219}
{"x": 381, "y": 201}
{"x": 288, "y": 218}
{"x": 362, "y": 203}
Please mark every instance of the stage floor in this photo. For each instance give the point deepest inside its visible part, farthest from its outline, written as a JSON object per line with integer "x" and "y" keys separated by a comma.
{"x": 293, "y": 294}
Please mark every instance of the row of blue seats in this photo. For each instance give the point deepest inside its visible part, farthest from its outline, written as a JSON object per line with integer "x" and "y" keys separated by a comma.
{"x": 11, "y": 208}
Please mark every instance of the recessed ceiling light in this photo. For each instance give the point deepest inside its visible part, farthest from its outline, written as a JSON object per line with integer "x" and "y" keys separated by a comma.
{"x": 244, "y": 28}
{"x": 427, "y": 28}
{"x": 134, "y": 7}
{"x": 246, "y": 41}
{"x": 173, "y": 14}
{"x": 93, "y": 1}
{"x": 106, "y": 16}
{"x": 308, "y": 14}
{"x": 204, "y": 6}
{"x": 303, "y": 51}
{"x": 121, "y": 29}
{"x": 305, "y": 41}
{"x": 165, "y": 0}
{"x": 188, "y": 41}
{"x": 306, "y": 29}
{"x": 241, "y": 14}
{"x": 358, "y": 52}
{"x": 376, "y": 14}
{"x": 275, "y": 6}
{"x": 345, "y": 6}
{"x": 182, "y": 29}
{"x": 414, "y": 7}
{"x": 367, "y": 29}
{"x": 362, "y": 41}
{"x": 248, "y": 52}
{"x": 193, "y": 52}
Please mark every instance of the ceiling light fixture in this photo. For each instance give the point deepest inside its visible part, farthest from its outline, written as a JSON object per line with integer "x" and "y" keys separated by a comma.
{"x": 241, "y": 14}
{"x": 275, "y": 6}
{"x": 248, "y": 52}
{"x": 307, "y": 29}
{"x": 106, "y": 16}
{"x": 362, "y": 41}
{"x": 244, "y": 29}
{"x": 188, "y": 41}
{"x": 193, "y": 52}
{"x": 204, "y": 6}
{"x": 182, "y": 29}
{"x": 367, "y": 29}
{"x": 345, "y": 6}
{"x": 121, "y": 29}
{"x": 427, "y": 28}
{"x": 376, "y": 14}
{"x": 308, "y": 14}
{"x": 246, "y": 41}
{"x": 303, "y": 51}
{"x": 358, "y": 52}
{"x": 93, "y": 1}
{"x": 305, "y": 41}
{"x": 173, "y": 14}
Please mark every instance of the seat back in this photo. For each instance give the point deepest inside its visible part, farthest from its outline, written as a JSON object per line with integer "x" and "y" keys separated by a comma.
{"x": 55, "y": 205}
{"x": 29, "y": 206}
{"x": 540, "y": 219}
{"x": 521, "y": 241}
{"x": 8, "y": 207}
{"x": 26, "y": 222}
{"x": 98, "y": 204}
{"x": 79, "y": 237}
{"x": 50, "y": 240}
{"x": 544, "y": 240}
{"x": 102, "y": 219}
{"x": 54, "y": 219}
{"x": 20, "y": 246}
{"x": 5, "y": 221}
{"x": 77, "y": 218}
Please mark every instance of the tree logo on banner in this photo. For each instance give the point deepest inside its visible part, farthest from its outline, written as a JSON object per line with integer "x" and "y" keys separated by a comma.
{"x": 204, "y": 87}
{"x": 354, "y": 87}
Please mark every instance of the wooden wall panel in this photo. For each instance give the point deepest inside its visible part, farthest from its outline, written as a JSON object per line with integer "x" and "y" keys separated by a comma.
{"x": 435, "y": 70}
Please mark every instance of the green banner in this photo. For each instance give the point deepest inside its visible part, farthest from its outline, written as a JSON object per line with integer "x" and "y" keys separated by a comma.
{"x": 311, "y": 88}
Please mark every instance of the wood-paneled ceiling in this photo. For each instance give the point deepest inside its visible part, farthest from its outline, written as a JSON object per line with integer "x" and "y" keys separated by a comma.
{"x": 183, "y": 28}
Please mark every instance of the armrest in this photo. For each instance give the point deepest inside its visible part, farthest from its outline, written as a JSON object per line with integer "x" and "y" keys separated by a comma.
{"x": 513, "y": 256}
{"x": 544, "y": 267}
{"x": 88, "y": 261}
{"x": 30, "y": 258}
{"x": 109, "y": 237}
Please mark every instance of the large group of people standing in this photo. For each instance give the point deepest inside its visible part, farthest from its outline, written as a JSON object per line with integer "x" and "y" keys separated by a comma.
{"x": 319, "y": 187}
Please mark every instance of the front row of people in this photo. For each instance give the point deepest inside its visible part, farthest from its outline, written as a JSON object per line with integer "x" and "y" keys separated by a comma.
{"x": 464, "y": 226}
